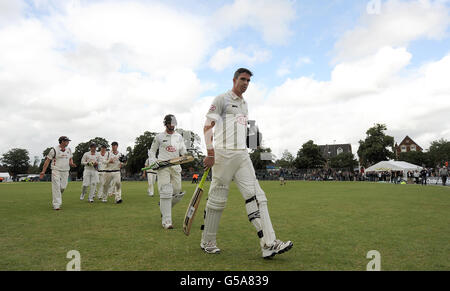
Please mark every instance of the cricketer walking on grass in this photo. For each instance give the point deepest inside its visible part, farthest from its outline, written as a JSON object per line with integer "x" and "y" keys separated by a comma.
{"x": 112, "y": 172}
{"x": 90, "y": 161}
{"x": 101, "y": 193}
{"x": 151, "y": 179}
{"x": 61, "y": 161}
{"x": 230, "y": 160}
{"x": 169, "y": 144}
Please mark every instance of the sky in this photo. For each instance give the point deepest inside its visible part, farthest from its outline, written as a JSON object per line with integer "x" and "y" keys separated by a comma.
{"x": 323, "y": 70}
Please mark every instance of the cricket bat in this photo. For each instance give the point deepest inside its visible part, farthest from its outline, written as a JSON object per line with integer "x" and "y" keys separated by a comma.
{"x": 193, "y": 205}
{"x": 169, "y": 163}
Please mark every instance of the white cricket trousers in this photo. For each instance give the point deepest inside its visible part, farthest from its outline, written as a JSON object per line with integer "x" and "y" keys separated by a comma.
{"x": 101, "y": 186}
{"x": 112, "y": 179}
{"x": 90, "y": 179}
{"x": 236, "y": 165}
{"x": 59, "y": 184}
{"x": 169, "y": 183}
{"x": 151, "y": 178}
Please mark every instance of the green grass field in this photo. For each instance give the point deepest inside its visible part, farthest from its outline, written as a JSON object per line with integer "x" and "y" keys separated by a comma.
{"x": 332, "y": 224}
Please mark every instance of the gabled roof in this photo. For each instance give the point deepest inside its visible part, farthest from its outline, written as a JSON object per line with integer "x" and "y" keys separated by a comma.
{"x": 409, "y": 143}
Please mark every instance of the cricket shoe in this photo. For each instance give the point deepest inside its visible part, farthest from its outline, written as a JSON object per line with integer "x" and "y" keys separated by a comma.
{"x": 119, "y": 201}
{"x": 82, "y": 196}
{"x": 278, "y": 247}
{"x": 167, "y": 226}
{"x": 91, "y": 200}
{"x": 210, "y": 247}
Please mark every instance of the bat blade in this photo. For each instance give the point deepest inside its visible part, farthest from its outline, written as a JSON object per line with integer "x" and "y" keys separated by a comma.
{"x": 169, "y": 163}
{"x": 193, "y": 205}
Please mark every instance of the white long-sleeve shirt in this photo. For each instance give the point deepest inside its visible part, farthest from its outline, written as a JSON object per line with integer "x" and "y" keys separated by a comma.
{"x": 114, "y": 157}
{"x": 102, "y": 161}
{"x": 88, "y": 158}
{"x": 169, "y": 145}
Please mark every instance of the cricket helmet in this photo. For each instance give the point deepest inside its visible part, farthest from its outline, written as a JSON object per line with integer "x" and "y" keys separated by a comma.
{"x": 170, "y": 120}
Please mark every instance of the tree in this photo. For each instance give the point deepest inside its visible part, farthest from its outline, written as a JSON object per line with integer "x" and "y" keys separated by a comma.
{"x": 375, "y": 147}
{"x": 139, "y": 153}
{"x": 344, "y": 161}
{"x": 439, "y": 152}
{"x": 16, "y": 160}
{"x": 193, "y": 142}
{"x": 287, "y": 160}
{"x": 416, "y": 158}
{"x": 83, "y": 147}
{"x": 34, "y": 169}
{"x": 259, "y": 159}
{"x": 309, "y": 156}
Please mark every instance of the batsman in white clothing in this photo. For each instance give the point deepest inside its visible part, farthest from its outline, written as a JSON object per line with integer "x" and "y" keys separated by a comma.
{"x": 230, "y": 160}
{"x": 151, "y": 178}
{"x": 169, "y": 145}
{"x": 61, "y": 161}
{"x": 90, "y": 161}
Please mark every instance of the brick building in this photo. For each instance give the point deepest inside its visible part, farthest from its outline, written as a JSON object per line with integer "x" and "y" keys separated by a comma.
{"x": 407, "y": 145}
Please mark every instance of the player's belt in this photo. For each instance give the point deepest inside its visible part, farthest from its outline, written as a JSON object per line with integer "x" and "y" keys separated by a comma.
{"x": 110, "y": 171}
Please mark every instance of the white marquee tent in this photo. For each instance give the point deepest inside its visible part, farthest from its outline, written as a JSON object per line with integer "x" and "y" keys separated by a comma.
{"x": 393, "y": 166}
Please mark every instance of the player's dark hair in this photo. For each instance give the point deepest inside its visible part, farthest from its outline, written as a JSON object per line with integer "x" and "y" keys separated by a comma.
{"x": 240, "y": 71}
{"x": 115, "y": 143}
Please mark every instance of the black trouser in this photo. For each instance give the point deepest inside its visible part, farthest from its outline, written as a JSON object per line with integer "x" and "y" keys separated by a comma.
{"x": 424, "y": 180}
{"x": 444, "y": 180}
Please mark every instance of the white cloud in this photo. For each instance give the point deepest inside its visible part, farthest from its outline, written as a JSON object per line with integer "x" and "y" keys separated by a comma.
{"x": 286, "y": 67}
{"x": 360, "y": 94}
{"x": 270, "y": 18}
{"x": 106, "y": 69}
{"x": 303, "y": 61}
{"x": 229, "y": 56}
{"x": 10, "y": 11}
{"x": 283, "y": 70}
{"x": 397, "y": 24}
{"x": 145, "y": 37}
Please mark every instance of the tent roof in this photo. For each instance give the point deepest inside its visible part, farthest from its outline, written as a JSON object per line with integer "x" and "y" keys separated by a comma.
{"x": 393, "y": 166}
